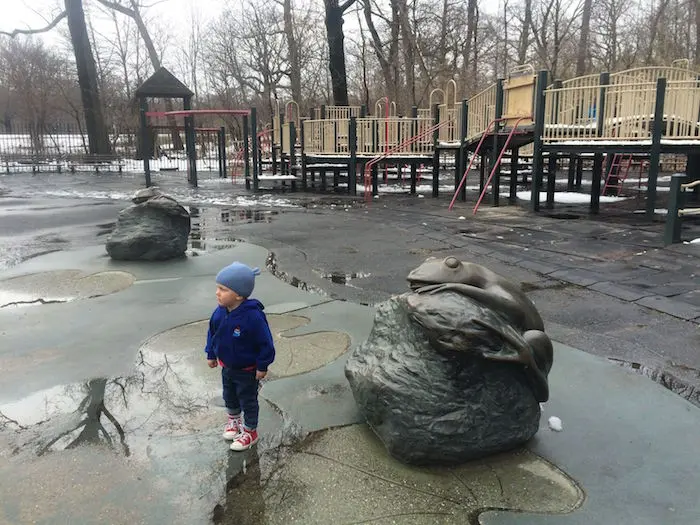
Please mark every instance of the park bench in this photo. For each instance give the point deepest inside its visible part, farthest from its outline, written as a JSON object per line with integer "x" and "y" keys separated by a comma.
{"x": 106, "y": 161}
{"x": 10, "y": 161}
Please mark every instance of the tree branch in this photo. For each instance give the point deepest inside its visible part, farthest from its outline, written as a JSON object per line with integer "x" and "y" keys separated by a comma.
{"x": 118, "y": 7}
{"x": 34, "y": 31}
{"x": 346, "y": 5}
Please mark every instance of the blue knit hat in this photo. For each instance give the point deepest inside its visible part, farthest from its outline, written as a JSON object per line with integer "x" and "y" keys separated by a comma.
{"x": 239, "y": 278}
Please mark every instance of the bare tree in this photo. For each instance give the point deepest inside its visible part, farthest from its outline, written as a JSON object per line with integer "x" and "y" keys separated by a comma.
{"x": 336, "y": 49}
{"x": 293, "y": 50}
{"x": 524, "y": 41}
{"x": 386, "y": 52}
{"x": 582, "y": 54}
{"x": 654, "y": 29}
{"x": 134, "y": 12}
{"x": 86, "y": 70}
{"x": 553, "y": 32}
{"x": 33, "y": 77}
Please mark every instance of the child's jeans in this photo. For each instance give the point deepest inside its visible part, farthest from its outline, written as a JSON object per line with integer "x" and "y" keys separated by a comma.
{"x": 240, "y": 393}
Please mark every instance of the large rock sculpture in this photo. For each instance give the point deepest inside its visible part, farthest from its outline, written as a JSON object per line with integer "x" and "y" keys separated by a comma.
{"x": 455, "y": 369}
{"x": 154, "y": 228}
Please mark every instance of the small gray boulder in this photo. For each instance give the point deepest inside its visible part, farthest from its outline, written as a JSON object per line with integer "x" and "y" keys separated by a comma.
{"x": 156, "y": 229}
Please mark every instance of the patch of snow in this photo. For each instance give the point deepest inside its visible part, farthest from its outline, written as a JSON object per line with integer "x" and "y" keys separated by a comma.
{"x": 555, "y": 424}
{"x": 658, "y": 211}
{"x": 568, "y": 197}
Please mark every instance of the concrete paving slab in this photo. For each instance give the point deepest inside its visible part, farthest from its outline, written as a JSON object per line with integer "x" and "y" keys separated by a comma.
{"x": 629, "y": 443}
{"x": 670, "y": 307}
{"x": 619, "y": 291}
{"x": 344, "y": 475}
{"x": 577, "y": 276}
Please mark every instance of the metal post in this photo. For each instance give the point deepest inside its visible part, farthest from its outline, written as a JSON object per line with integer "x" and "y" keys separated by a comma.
{"x": 495, "y": 148}
{"x": 190, "y": 143}
{"x": 293, "y": 153}
{"x": 304, "y": 182}
{"x": 254, "y": 146}
{"x": 672, "y": 231}
{"x": 462, "y": 164}
{"x": 514, "y": 162}
{"x": 375, "y": 148}
{"x": 145, "y": 141}
{"x": 414, "y": 166}
{"x": 246, "y": 151}
{"x": 283, "y": 164}
{"x": 221, "y": 135}
{"x": 572, "y": 173}
{"x": 375, "y": 179}
{"x": 273, "y": 151}
{"x": 579, "y": 173}
{"x": 597, "y": 173}
{"x": 552, "y": 161}
{"x": 352, "y": 167}
{"x": 436, "y": 152}
{"x": 537, "y": 161}
{"x": 655, "y": 152}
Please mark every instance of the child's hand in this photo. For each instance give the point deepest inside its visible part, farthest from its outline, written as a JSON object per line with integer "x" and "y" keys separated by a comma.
{"x": 259, "y": 374}
{"x": 212, "y": 363}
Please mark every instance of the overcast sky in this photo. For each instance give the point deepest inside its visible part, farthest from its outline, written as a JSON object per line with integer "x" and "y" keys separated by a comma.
{"x": 172, "y": 14}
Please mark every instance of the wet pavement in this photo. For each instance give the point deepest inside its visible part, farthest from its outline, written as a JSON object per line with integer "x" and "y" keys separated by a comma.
{"x": 106, "y": 392}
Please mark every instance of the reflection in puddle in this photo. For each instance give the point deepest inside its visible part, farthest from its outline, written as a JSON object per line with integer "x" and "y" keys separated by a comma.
{"x": 211, "y": 227}
{"x": 160, "y": 394}
{"x": 344, "y": 278}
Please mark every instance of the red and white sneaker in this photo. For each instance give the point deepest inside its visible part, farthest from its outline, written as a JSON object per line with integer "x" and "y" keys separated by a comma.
{"x": 234, "y": 428}
{"x": 246, "y": 440}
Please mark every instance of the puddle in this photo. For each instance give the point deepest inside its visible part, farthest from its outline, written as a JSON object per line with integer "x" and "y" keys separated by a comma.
{"x": 667, "y": 378}
{"x": 273, "y": 268}
{"x": 563, "y": 216}
{"x": 214, "y": 228}
{"x": 167, "y": 415}
{"x": 372, "y": 487}
{"x": 344, "y": 278}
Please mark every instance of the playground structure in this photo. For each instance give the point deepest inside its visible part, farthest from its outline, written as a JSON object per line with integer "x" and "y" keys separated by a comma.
{"x": 618, "y": 122}
{"x": 622, "y": 121}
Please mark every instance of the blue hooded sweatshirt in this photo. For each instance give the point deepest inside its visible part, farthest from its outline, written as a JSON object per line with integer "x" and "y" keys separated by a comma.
{"x": 241, "y": 338}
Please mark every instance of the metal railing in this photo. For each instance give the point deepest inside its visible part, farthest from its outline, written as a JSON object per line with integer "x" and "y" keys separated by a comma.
{"x": 482, "y": 110}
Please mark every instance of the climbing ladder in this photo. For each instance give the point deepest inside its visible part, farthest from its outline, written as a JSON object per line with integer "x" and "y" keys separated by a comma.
{"x": 619, "y": 171}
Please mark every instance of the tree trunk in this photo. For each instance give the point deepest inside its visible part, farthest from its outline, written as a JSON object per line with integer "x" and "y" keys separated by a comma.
{"x": 469, "y": 46}
{"x": 697, "y": 32}
{"x": 582, "y": 54}
{"x": 155, "y": 61}
{"x": 336, "y": 50}
{"x": 98, "y": 140}
{"x": 294, "y": 65}
{"x": 525, "y": 34}
{"x": 377, "y": 44}
{"x": 654, "y": 29}
{"x": 408, "y": 54}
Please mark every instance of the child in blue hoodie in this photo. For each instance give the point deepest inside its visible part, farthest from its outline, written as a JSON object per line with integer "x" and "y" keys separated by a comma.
{"x": 239, "y": 340}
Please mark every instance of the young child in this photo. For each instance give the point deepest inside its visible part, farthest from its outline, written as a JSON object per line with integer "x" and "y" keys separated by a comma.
{"x": 239, "y": 340}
